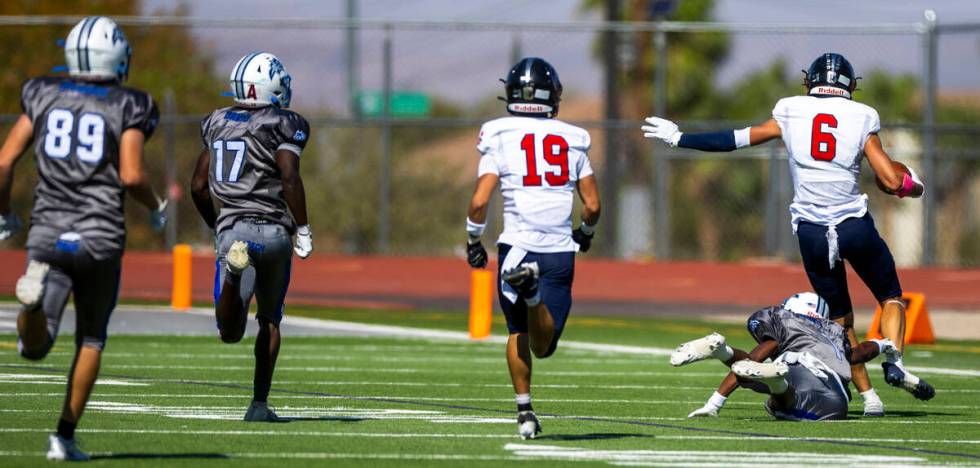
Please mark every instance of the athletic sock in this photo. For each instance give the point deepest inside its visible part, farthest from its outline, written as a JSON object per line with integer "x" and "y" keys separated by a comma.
{"x": 66, "y": 429}
{"x": 523, "y": 402}
{"x": 870, "y": 395}
{"x": 724, "y": 354}
{"x": 778, "y": 387}
{"x": 717, "y": 400}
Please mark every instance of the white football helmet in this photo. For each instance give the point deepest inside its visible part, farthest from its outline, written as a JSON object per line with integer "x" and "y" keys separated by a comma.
{"x": 260, "y": 79}
{"x": 96, "y": 48}
{"x": 807, "y": 304}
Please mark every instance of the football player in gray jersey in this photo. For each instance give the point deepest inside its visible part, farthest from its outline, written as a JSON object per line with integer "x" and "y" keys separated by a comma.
{"x": 811, "y": 358}
{"x": 250, "y": 164}
{"x": 88, "y": 134}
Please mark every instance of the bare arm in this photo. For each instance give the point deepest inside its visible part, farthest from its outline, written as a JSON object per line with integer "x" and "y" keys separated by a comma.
{"x": 132, "y": 173}
{"x": 588, "y": 192}
{"x": 881, "y": 164}
{"x": 768, "y": 130}
{"x": 292, "y": 185}
{"x": 14, "y": 146}
{"x": 481, "y": 198}
{"x": 760, "y": 353}
{"x": 200, "y": 191}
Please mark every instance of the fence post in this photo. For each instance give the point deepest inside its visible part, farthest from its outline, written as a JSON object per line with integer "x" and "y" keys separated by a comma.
{"x": 384, "y": 188}
{"x": 929, "y": 49}
{"x": 351, "y": 57}
{"x": 170, "y": 158}
{"x": 610, "y": 182}
{"x": 661, "y": 205}
{"x": 772, "y": 205}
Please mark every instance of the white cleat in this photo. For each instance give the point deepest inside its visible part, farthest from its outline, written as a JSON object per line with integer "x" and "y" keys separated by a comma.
{"x": 528, "y": 426}
{"x": 259, "y": 411}
{"x": 30, "y": 287}
{"x": 874, "y": 408}
{"x": 772, "y": 374}
{"x": 697, "y": 350}
{"x": 61, "y": 449}
{"x": 237, "y": 257}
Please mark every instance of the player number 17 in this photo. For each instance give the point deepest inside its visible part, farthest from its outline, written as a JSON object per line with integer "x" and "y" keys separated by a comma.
{"x": 220, "y": 146}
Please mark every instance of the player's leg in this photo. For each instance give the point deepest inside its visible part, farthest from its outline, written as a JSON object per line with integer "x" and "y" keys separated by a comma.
{"x": 234, "y": 283}
{"x": 96, "y": 286}
{"x": 706, "y": 347}
{"x": 40, "y": 316}
{"x": 830, "y": 283}
{"x": 519, "y": 361}
{"x": 525, "y": 279}
{"x": 273, "y": 267}
{"x": 873, "y": 262}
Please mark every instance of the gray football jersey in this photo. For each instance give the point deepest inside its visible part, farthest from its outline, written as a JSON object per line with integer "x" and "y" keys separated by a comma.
{"x": 77, "y": 128}
{"x": 244, "y": 175}
{"x": 824, "y": 339}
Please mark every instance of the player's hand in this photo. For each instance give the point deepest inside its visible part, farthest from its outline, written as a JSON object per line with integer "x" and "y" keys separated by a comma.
{"x": 886, "y": 346}
{"x": 9, "y": 225}
{"x": 304, "y": 242}
{"x": 921, "y": 189}
{"x": 158, "y": 217}
{"x": 476, "y": 255}
{"x": 707, "y": 411}
{"x": 583, "y": 240}
{"x": 661, "y": 129}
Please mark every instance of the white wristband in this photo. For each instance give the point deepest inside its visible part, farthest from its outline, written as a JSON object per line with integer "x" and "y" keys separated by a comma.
{"x": 303, "y": 230}
{"x": 717, "y": 400}
{"x": 586, "y": 229}
{"x": 742, "y": 138}
{"x": 474, "y": 229}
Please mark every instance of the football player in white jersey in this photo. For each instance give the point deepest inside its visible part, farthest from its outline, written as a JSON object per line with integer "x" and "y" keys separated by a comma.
{"x": 539, "y": 162}
{"x": 826, "y": 134}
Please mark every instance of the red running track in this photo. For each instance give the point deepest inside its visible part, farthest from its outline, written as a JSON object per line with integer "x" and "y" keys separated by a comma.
{"x": 367, "y": 281}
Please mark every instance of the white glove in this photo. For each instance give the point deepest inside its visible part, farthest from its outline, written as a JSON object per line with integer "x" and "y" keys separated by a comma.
{"x": 886, "y": 346}
{"x": 711, "y": 408}
{"x": 158, "y": 217}
{"x": 9, "y": 225}
{"x": 304, "y": 241}
{"x": 662, "y": 129}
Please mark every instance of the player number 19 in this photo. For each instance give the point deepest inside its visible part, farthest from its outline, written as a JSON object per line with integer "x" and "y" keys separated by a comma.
{"x": 555, "y": 154}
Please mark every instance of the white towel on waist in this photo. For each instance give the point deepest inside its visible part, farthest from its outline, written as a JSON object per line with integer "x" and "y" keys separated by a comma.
{"x": 513, "y": 259}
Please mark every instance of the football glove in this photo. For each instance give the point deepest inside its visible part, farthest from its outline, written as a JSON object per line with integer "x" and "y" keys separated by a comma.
{"x": 9, "y": 225}
{"x": 304, "y": 242}
{"x": 661, "y": 129}
{"x": 158, "y": 217}
{"x": 583, "y": 240}
{"x": 476, "y": 255}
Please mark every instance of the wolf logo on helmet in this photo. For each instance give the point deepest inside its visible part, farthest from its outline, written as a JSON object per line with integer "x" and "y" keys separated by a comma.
{"x": 97, "y": 48}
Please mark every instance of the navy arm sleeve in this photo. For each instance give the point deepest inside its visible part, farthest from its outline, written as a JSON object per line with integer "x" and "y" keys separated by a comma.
{"x": 710, "y": 141}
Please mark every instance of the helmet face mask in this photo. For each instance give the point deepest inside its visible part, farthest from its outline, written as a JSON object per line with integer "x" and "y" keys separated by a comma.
{"x": 260, "y": 79}
{"x": 830, "y": 74}
{"x": 807, "y": 304}
{"x": 533, "y": 89}
{"x": 97, "y": 49}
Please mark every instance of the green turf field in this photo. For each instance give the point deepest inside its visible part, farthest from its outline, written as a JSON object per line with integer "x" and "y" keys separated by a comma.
{"x": 175, "y": 401}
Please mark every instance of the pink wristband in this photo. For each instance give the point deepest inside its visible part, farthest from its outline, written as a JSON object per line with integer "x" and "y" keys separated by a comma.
{"x": 907, "y": 186}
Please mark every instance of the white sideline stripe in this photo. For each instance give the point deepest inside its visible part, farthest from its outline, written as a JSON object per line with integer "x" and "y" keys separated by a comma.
{"x": 467, "y": 436}
{"x": 8, "y": 324}
{"x": 424, "y": 398}
{"x": 656, "y": 457}
{"x": 317, "y": 456}
{"x": 945, "y": 371}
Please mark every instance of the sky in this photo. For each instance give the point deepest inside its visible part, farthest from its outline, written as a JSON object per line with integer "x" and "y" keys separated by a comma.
{"x": 463, "y": 66}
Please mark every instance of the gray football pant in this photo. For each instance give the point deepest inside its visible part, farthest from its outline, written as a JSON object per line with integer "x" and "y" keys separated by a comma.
{"x": 270, "y": 251}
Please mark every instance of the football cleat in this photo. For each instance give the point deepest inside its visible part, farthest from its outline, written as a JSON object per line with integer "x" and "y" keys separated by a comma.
{"x": 61, "y": 449}
{"x": 874, "y": 408}
{"x": 772, "y": 374}
{"x": 259, "y": 411}
{"x": 528, "y": 426}
{"x": 30, "y": 287}
{"x": 897, "y": 376}
{"x": 524, "y": 279}
{"x": 237, "y": 257}
{"x": 698, "y": 350}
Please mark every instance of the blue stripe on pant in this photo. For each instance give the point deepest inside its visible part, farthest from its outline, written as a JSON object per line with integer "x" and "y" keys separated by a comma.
{"x": 862, "y": 247}
{"x": 555, "y": 286}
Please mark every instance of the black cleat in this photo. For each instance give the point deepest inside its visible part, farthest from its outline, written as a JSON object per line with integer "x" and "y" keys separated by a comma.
{"x": 524, "y": 279}
{"x": 898, "y": 377}
{"x": 528, "y": 426}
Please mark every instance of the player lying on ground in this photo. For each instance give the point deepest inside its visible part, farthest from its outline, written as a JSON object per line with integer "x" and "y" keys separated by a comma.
{"x": 539, "y": 162}
{"x": 250, "y": 163}
{"x": 811, "y": 359}
{"x": 826, "y": 133}
{"x": 89, "y": 133}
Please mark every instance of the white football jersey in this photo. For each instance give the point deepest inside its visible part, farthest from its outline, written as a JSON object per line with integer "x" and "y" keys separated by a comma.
{"x": 538, "y": 161}
{"x": 825, "y": 138}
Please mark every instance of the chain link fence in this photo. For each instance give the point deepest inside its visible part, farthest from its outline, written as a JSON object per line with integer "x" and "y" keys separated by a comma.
{"x": 396, "y": 179}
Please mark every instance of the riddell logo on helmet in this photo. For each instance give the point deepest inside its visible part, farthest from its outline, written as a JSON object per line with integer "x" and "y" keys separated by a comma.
{"x": 830, "y": 90}
{"x": 529, "y": 108}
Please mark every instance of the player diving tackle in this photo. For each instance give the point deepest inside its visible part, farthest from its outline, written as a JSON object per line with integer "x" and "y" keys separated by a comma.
{"x": 810, "y": 368}
{"x": 826, "y": 134}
